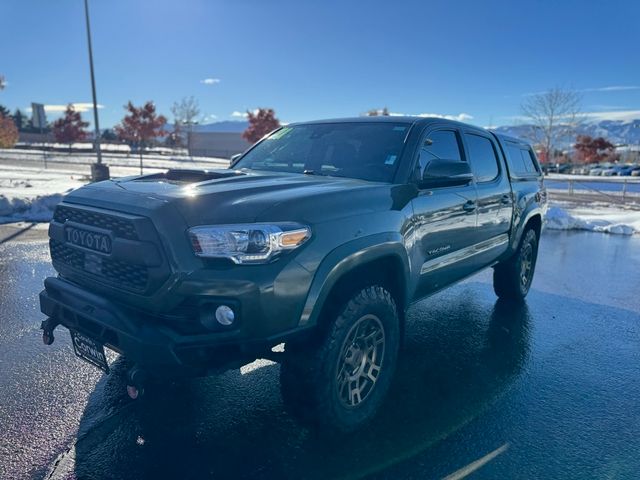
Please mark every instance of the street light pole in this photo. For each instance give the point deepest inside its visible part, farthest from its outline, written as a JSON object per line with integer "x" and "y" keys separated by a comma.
{"x": 98, "y": 171}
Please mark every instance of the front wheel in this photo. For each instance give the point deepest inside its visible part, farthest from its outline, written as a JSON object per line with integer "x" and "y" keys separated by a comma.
{"x": 339, "y": 382}
{"x": 512, "y": 278}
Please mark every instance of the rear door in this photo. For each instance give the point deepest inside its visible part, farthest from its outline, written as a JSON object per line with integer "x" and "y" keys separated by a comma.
{"x": 495, "y": 199}
{"x": 444, "y": 218}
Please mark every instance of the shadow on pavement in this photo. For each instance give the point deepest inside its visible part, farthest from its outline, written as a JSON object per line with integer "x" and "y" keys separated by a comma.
{"x": 457, "y": 360}
{"x": 16, "y": 234}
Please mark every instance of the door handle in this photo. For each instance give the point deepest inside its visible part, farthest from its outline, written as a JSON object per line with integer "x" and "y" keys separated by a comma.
{"x": 470, "y": 206}
{"x": 506, "y": 199}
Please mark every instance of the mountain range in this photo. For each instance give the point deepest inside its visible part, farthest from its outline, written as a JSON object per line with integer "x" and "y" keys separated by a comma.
{"x": 618, "y": 132}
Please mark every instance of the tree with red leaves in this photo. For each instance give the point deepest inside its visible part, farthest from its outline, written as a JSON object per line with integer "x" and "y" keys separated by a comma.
{"x": 70, "y": 128}
{"x": 593, "y": 150}
{"x": 261, "y": 122}
{"x": 8, "y": 132}
{"x": 140, "y": 126}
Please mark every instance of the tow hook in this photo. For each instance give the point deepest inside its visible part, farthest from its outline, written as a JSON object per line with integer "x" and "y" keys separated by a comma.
{"x": 136, "y": 381}
{"x": 48, "y": 326}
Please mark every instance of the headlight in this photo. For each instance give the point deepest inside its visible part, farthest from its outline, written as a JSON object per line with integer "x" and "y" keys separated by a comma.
{"x": 250, "y": 243}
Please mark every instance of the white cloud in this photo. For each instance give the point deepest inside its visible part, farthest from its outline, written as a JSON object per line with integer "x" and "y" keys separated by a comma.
{"x": 621, "y": 115}
{"x": 612, "y": 88}
{"x": 237, "y": 114}
{"x": 461, "y": 117}
{"x": 614, "y": 115}
{"x": 609, "y": 88}
{"x": 79, "y": 107}
{"x": 210, "y": 81}
{"x": 605, "y": 108}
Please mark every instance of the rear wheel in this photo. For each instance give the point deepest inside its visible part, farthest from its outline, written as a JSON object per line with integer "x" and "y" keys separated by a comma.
{"x": 512, "y": 278}
{"x": 340, "y": 382}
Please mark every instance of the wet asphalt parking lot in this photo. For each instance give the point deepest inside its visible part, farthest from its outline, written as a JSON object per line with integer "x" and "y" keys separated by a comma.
{"x": 484, "y": 390}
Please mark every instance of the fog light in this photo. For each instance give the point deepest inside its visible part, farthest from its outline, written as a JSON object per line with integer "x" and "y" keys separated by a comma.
{"x": 225, "y": 315}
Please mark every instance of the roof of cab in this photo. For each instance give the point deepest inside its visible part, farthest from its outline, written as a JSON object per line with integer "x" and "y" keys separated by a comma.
{"x": 385, "y": 119}
{"x": 412, "y": 120}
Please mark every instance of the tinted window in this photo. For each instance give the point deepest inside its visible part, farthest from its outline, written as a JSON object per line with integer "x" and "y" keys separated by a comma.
{"x": 520, "y": 160}
{"x": 482, "y": 157}
{"x": 441, "y": 144}
{"x": 369, "y": 151}
{"x": 529, "y": 161}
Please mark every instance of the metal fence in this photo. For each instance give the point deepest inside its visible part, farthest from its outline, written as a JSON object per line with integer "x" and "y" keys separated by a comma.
{"x": 44, "y": 159}
{"x": 618, "y": 190}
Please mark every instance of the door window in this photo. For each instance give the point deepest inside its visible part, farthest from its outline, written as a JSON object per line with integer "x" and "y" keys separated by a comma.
{"x": 441, "y": 144}
{"x": 520, "y": 160}
{"x": 482, "y": 156}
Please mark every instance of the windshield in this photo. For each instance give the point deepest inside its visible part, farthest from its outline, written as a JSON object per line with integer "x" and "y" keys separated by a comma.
{"x": 368, "y": 151}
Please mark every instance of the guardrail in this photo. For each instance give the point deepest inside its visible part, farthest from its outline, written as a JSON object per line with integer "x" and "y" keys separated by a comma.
{"x": 621, "y": 190}
{"x": 44, "y": 158}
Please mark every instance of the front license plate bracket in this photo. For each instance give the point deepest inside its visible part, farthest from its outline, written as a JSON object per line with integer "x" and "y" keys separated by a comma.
{"x": 89, "y": 350}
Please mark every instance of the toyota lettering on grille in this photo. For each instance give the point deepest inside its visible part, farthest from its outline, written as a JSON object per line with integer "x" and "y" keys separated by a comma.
{"x": 98, "y": 242}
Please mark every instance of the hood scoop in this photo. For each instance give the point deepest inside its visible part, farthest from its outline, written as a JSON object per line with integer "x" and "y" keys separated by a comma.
{"x": 181, "y": 176}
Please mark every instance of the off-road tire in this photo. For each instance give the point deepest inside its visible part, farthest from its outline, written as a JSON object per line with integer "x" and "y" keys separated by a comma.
{"x": 310, "y": 372}
{"x": 512, "y": 278}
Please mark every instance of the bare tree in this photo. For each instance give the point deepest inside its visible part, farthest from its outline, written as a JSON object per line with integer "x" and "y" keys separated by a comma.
{"x": 186, "y": 112}
{"x": 554, "y": 114}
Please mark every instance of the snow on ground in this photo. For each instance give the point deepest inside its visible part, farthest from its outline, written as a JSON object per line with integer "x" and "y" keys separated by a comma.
{"x": 31, "y": 195}
{"x": 30, "y": 192}
{"x": 595, "y": 218}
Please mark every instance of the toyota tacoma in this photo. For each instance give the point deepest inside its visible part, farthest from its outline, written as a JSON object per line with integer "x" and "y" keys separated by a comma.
{"x": 318, "y": 237}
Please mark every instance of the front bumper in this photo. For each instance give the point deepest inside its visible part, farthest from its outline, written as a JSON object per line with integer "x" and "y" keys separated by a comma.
{"x": 147, "y": 340}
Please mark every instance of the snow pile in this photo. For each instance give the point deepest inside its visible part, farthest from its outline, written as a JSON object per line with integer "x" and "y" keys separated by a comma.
{"x": 32, "y": 194}
{"x": 35, "y": 209}
{"x": 605, "y": 220}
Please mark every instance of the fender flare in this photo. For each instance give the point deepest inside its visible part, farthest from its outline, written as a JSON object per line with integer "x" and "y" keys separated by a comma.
{"x": 344, "y": 259}
{"x": 527, "y": 215}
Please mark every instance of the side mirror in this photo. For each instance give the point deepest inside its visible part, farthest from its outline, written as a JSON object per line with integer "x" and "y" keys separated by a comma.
{"x": 234, "y": 159}
{"x": 446, "y": 173}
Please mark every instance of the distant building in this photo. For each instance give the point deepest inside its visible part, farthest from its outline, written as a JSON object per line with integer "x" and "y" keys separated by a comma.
{"x": 33, "y": 137}
{"x": 217, "y": 144}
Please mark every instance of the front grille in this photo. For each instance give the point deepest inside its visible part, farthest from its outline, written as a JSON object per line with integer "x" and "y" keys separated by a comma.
{"x": 135, "y": 276}
{"x": 68, "y": 256}
{"x": 115, "y": 272}
{"x": 119, "y": 226}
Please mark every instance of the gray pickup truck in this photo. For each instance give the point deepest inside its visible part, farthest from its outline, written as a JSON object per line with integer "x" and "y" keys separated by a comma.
{"x": 320, "y": 237}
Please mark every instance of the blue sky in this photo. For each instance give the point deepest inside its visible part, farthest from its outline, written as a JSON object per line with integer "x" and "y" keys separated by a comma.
{"x": 474, "y": 60}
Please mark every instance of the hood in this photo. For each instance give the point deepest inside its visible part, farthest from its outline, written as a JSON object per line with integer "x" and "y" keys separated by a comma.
{"x": 230, "y": 196}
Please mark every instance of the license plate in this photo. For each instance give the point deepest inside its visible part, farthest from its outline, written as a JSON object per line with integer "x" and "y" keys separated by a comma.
{"x": 89, "y": 350}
